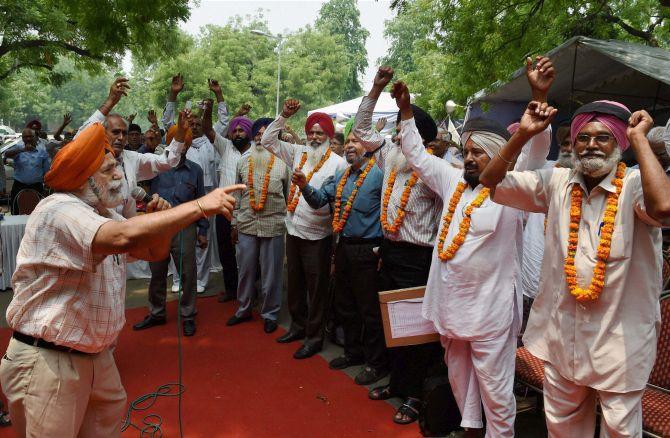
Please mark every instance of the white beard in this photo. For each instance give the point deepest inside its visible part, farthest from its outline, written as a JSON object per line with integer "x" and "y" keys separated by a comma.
{"x": 596, "y": 167}
{"x": 397, "y": 160}
{"x": 315, "y": 154}
{"x": 97, "y": 196}
{"x": 261, "y": 158}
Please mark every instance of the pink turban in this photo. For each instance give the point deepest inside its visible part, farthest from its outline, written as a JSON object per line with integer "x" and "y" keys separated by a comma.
{"x": 613, "y": 115}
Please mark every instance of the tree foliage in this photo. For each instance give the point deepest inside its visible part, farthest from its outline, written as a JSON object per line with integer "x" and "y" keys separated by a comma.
{"x": 36, "y": 34}
{"x": 341, "y": 18}
{"x": 466, "y": 45}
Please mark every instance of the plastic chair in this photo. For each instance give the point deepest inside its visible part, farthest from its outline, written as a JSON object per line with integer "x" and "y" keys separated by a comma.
{"x": 26, "y": 201}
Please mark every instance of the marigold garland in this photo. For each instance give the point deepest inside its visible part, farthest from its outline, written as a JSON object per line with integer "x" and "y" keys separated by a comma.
{"x": 459, "y": 238}
{"x": 266, "y": 184}
{"x": 598, "y": 281}
{"x": 339, "y": 222}
{"x": 394, "y": 228}
{"x": 292, "y": 198}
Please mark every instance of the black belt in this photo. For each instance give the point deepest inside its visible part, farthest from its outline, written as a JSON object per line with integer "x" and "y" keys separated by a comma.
{"x": 360, "y": 240}
{"x": 41, "y": 343}
{"x": 400, "y": 244}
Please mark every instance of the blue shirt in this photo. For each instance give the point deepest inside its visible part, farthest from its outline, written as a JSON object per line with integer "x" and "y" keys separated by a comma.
{"x": 31, "y": 166}
{"x": 181, "y": 184}
{"x": 363, "y": 221}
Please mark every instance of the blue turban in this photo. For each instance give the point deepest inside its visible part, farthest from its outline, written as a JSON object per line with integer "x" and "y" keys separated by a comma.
{"x": 258, "y": 124}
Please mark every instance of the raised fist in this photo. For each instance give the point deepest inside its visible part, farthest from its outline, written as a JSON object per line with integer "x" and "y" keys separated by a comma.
{"x": 291, "y": 106}
{"x": 383, "y": 77}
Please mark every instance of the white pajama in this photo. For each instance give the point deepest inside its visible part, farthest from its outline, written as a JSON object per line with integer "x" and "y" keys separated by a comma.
{"x": 570, "y": 409}
{"x": 483, "y": 372}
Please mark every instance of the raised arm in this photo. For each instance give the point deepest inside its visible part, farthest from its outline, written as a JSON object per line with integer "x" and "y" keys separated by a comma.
{"x": 534, "y": 155}
{"x": 221, "y": 126}
{"x": 432, "y": 170}
{"x": 536, "y": 118}
{"x": 655, "y": 182}
{"x": 67, "y": 118}
{"x": 150, "y": 165}
{"x": 118, "y": 89}
{"x": 176, "y": 86}
{"x": 316, "y": 198}
{"x": 270, "y": 141}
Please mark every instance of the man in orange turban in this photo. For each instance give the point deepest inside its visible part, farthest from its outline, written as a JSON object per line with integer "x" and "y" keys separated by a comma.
{"x": 69, "y": 288}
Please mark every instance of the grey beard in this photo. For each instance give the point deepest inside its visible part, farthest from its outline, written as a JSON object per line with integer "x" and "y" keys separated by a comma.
{"x": 565, "y": 160}
{"x": 315, "y": 155}
{"x": 94, "y": 195}
{"x": 598, "y": 166}
{"x": 261, "y": 159}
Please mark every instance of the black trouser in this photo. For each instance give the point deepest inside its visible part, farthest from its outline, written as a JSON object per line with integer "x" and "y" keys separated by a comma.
{"x": 405, "y": 265}
{"x": 308, "y": 266}
{"x": 357, "y": 301}
{"x": 227, "y": 255}
{"x": 182, "y": 250}
{"x": 17, "y": 186}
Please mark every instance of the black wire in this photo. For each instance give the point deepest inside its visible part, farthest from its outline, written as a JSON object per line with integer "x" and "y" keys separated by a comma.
{"x": 151, "y": 424}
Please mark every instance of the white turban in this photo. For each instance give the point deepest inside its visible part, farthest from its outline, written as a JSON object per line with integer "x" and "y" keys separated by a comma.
{"x": 490, "y": 142}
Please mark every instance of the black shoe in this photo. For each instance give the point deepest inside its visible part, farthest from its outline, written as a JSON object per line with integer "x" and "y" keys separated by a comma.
{"x": 306, "y": 351}
{"x": 234, "y": 320}
{"x": 189, "y": 328}
{"x": 370, "y": 375}
{"x": 291, "y": 336}
{"x": 148, "y": 322}
{"x": 269, "y": 326}
{"x": 342, "y": 362}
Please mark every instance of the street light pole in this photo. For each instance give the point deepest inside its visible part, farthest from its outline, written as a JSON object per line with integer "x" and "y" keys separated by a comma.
{"x": 279, "y": 40}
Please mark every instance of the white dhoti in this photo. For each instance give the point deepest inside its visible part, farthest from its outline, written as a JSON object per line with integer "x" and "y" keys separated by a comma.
{"x": 570, "y": 409}
{"x": 482, "y": 372}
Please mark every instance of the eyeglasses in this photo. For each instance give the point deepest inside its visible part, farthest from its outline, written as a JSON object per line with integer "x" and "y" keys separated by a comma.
{"x": 601, "y": 139}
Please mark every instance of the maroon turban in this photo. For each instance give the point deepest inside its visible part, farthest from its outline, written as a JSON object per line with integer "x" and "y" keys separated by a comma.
{"x": 324, "y": 121}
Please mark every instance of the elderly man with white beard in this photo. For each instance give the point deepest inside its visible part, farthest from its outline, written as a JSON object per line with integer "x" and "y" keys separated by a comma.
{"x": 471, "y": 297}
{"x": 596, "y": 318}
{"x": 309, "y": 240}
{"x": 58, "y": 373}
{"x": 258, "y": 229}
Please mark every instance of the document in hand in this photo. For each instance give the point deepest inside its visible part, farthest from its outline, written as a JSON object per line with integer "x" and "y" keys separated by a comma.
{"x": 401, "y": 315}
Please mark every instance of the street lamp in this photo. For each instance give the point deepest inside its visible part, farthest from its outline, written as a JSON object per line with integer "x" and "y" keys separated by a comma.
{"x": 279, "y": 40}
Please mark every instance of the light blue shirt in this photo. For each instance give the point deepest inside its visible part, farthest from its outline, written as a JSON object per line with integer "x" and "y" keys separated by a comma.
{"x": 31, "y": 166}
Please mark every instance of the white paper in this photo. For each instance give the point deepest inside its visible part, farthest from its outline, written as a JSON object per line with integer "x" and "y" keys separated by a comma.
{"x": 406, "y": 320}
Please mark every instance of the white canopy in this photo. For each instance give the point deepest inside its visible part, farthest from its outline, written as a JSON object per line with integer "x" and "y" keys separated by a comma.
{"x": 343, "y": 111}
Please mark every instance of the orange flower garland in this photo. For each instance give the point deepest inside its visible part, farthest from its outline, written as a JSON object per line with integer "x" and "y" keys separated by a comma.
{"x": 464, "y": 226}
{"x": 598, "y": 281}
{"x": 400, "y": 216}
{"x": 339, "y": 222}
{"x": 292, "y": 198}
{"x": 266, "y": 184}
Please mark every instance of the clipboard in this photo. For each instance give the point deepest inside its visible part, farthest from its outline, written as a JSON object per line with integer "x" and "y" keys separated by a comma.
{"x": 402, "y": 320}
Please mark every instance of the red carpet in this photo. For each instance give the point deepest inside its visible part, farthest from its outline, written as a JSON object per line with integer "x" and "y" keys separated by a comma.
{"x": 241, "y": 383}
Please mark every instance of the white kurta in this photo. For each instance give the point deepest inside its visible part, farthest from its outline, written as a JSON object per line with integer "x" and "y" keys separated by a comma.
{"x": 305, "y": 222}
{"x": 472, "y": 296}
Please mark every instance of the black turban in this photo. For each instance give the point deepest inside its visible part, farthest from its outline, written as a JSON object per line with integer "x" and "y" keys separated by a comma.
{"x": 424, "y": 123}
{"x": 258, "y": 124}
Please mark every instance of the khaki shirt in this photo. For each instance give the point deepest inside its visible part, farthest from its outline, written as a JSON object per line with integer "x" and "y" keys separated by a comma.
{"x": 608, "y": 344}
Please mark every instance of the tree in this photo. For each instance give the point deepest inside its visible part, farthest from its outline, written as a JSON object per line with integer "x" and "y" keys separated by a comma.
{"x": 482, "y": 42}
{"x": 341, "y": 18}
{"x": 36, "y": 34}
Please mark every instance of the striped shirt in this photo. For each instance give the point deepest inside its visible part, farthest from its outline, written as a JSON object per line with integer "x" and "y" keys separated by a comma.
{"x": 271, "y": 221}
{"x": 63, "y": 293}
{"x": 305, "y": 222}
{"x": 422, "y": 212}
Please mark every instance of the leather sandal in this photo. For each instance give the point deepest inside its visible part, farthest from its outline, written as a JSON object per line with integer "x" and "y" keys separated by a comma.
{"x": 409, "y": 409}
{"x": 380, "y": 393}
